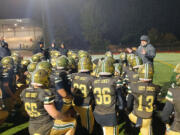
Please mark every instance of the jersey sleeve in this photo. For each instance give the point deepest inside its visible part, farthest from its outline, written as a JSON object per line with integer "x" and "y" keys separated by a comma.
{"x": 48, "y": 97}
{"x": 129, "y": 89}
{"x": 169, "y": 96}
{"x": 167, "y": 111}
{"x": 58, "y": 83}
{"x": 119, "y": 83}
{"x": 5, "y": 76}
{"x": 22, "y": 95}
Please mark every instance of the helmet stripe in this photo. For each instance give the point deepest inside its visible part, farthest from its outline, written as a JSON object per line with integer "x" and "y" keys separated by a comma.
{"x": 137, "y": 61}
{"x": 146, "y": 71}
{"x": 82, "y": 66}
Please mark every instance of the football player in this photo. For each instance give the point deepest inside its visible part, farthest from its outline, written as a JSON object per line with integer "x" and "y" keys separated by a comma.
{"x": 82, "y": 91}
{"x": 3, "y": 113}
{"x": 8, "y": 82}
{"x": 172, "y": 106}
{"x": 39, "y": 104}
{"x": 141, "y": 99}
{"x": 63, "y": 100}
{"x": 107, "y": 99}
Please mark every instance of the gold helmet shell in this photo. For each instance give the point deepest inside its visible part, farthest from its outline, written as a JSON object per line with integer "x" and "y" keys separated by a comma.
{"x": 82, "y": 54}
{"x": 25, "y": 62}
{"x": 53, "y": 62}
{"x": 41, "y": 56}
{"x": 44, "y": 65}
{"x": 69, "y": 54}
{"x": 15, "y": 54}
{"x": 177, "y": 69}
{"x": 54, "y": 54}
{"x": 136, "y": 62}
{"x": 74, "y": 55}
{"x": 178, "y": 79}
{"x": 108, "y": 54}
{"x": 7, "y": 61}
{"x": 130, "y": 58}
{"x": 118, "y": 68}
{"x": 145, "y": 72}
{"x": 31, "y": 67}
{"x": 84, "y": 65}
{"x": 72, "y": 63}
{"x": 40, "y": 78}
{"x": 36, "y": 58}
{"x": 106, "y": 68}
{"x": 62, "y": 62}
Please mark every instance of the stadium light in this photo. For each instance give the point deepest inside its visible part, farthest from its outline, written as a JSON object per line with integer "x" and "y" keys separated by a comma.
{"x": 19, "y": 20}
{"x": 15, "y": 24}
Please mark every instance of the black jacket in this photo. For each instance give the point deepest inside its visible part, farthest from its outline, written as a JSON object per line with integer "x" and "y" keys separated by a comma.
{"x": 150, "y": 53}
{"x": 4, "y": 52}
{"x": 63, "y": 51}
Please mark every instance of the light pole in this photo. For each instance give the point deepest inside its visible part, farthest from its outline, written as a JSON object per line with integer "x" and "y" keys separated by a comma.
{"x": 43, "y": 21}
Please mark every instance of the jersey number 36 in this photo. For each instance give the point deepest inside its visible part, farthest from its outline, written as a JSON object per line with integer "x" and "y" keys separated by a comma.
{"x": 102, "y": 96}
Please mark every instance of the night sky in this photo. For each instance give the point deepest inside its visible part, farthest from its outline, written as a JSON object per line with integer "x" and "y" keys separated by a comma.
{"x": 164, "y": 15}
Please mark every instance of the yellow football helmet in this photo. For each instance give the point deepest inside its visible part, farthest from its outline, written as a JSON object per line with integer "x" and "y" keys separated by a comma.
{"x": 106, "y": 68}
{"x": 84, "y": 65}
{"x": 62, "y": 62}
{"x": 108, "y": 54}
{"x": 25, "y": 62}
{"x": 15, "y": 54}
{"x": 72, "y": 63}
{"x": 82, "y": 54}
{"x": 130, "y": 58}
{"x": 41, "y": 56}
{"x": 118, "y": 69}
{"x": 44, "y": 65}
{"x": 31, "y": 67}
{"x": 7, "y": 61}
{"x": 54, "y": 54}
{"x": 145, "y": 72}
{"x": 177, "y": 69}
{"x": 40, "y": 78}
{"x": 123, "y": 56}
{"x": 69, "y": 54}
{"x": 136, "y": 62}
{"x": 36, "y": 58}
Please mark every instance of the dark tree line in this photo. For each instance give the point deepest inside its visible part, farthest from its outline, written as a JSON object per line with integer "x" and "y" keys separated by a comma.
{"x": 94, "y": 24}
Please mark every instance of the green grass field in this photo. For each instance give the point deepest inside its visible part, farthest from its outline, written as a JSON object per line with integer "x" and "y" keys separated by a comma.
{"x": 164, "y": 64}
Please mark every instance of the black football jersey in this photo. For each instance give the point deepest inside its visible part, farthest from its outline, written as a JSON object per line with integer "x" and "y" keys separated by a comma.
{"x": 105, "y": 91}
{"x": 105, "y": 94}
{"x": 34, "y": 101}
{"x": 173, "y": 97}
{"x": 82, "y": 85}
{"x": 144, "y": 97}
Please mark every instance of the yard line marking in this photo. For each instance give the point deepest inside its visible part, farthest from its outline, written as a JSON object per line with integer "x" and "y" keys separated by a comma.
{"x": 16, "y": 129}
{"x": 163, "y": 62}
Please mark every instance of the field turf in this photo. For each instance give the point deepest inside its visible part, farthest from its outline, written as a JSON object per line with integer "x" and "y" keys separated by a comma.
{"x": 163, "y": 65}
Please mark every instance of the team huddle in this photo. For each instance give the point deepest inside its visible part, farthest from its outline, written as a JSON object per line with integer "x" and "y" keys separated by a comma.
{"x": 62, "y": 92}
